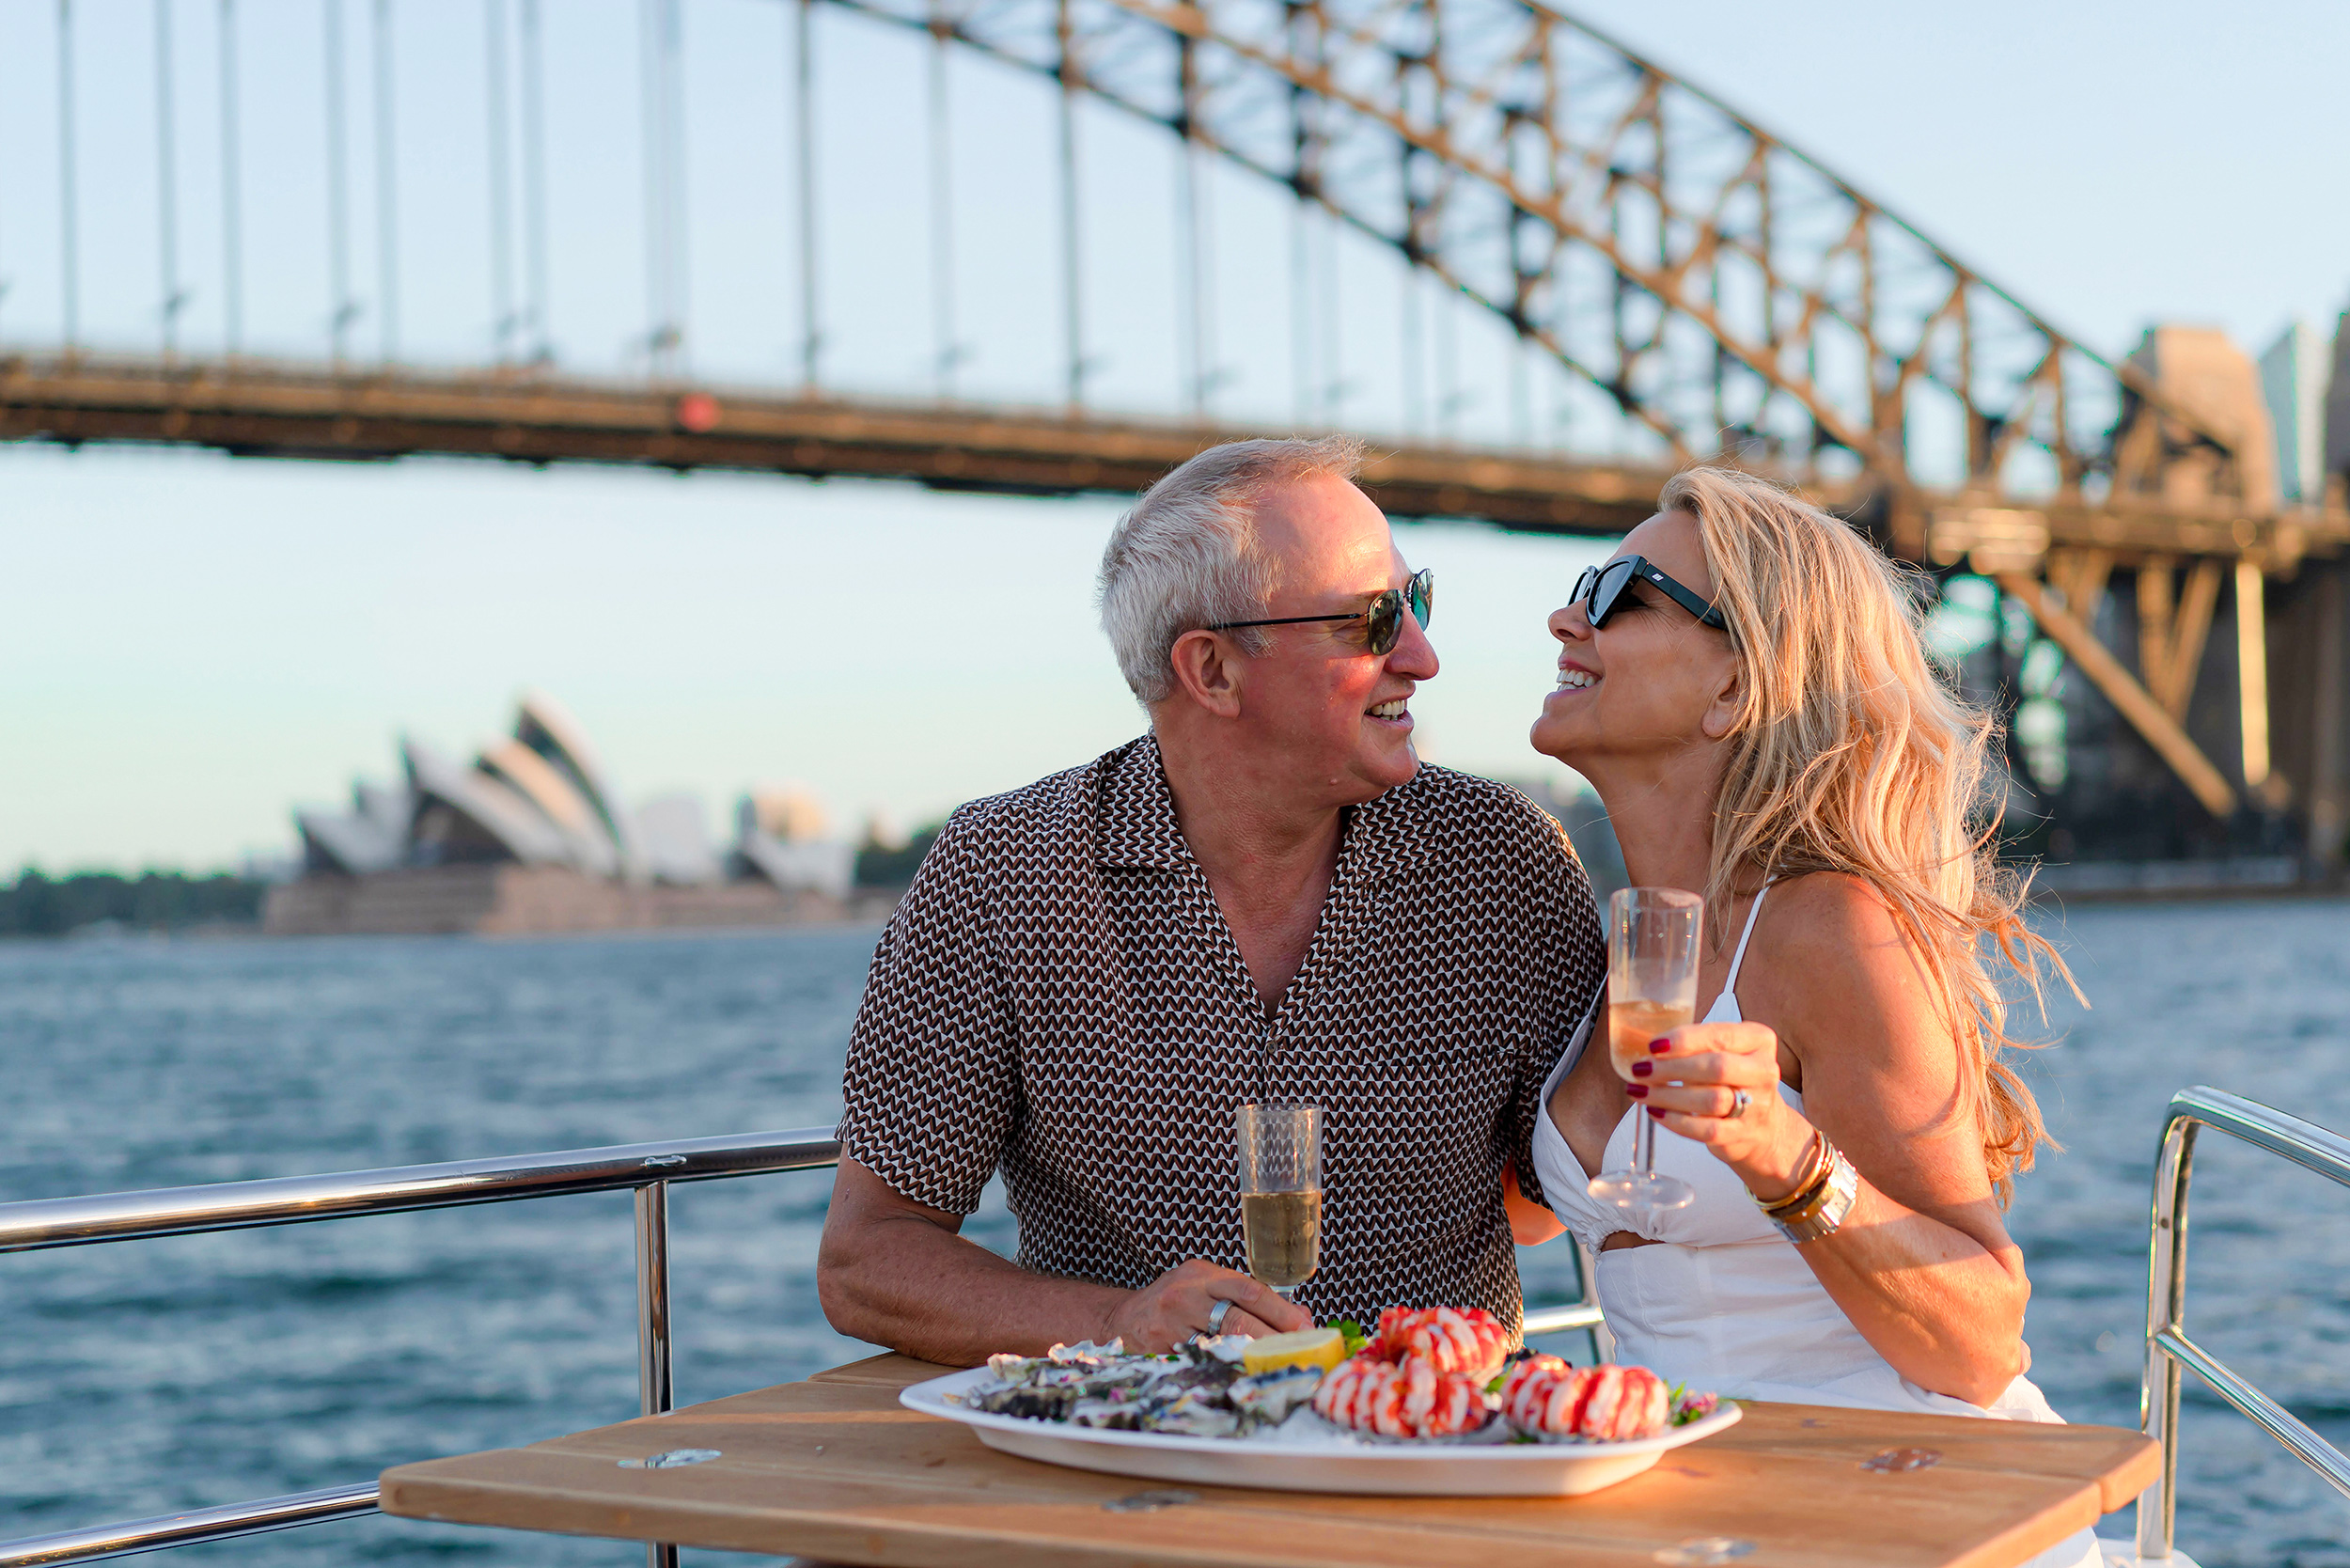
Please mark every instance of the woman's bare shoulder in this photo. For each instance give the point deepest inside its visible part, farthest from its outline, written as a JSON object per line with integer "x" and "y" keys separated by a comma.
{"x": 1841, "y": 966}
{"x": 1831, "y": 917}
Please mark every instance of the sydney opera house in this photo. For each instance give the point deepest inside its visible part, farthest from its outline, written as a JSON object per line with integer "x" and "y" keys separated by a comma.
{"x": 531, "y": 836}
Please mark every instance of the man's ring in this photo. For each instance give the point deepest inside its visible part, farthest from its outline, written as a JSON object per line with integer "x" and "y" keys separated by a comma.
{"x": 1739, "y": 1100}
{"x": 1216, "y": 1315}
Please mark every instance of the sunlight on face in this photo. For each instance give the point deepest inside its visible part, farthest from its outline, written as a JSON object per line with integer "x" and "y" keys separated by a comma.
{"x": 1319, "y": 692}
{"x": 1643, "y": 685}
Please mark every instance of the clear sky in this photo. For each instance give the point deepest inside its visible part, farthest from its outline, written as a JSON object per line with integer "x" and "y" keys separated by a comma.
{"x": 194, "y": 643}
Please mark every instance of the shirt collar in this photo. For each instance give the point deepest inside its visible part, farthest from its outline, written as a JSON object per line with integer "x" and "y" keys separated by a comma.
{"x": 1138, "y": 825}
{"x": 1385, "y": 836}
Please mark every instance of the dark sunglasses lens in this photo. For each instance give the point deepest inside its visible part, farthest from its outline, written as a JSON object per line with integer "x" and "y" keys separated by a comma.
{"x": 1607, "y": 586}
{"x": 1385, "y": 621}
{"x": 1423, "y": 593}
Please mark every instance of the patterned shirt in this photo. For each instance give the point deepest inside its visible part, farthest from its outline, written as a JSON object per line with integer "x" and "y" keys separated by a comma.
{"x": 1058, "y": 997}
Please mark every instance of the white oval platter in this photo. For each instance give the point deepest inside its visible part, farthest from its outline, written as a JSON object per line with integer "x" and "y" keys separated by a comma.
{"x": 1293, "y": 1462}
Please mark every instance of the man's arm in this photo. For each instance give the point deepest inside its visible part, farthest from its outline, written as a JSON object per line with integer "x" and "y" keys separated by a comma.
{"x": 895, "y": 1272}
{"x": 1531, "y": 1223}
{"x": 1570, "y": 952}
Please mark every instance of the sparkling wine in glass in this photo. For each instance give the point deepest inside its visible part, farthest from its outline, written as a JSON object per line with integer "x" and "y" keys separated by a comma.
{"x": 1280, "y": 1192}
{"x": 1651, "y": 990}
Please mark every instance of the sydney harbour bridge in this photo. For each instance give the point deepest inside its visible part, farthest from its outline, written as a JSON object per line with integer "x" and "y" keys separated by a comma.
{"x": 1056, "y": 247}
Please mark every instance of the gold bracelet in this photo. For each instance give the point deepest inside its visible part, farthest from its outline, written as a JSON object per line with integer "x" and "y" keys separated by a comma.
{"x": 1799, "y": 1216}
{"x": 1837, "y": 1198}
{"x": 1811, "y": 1173}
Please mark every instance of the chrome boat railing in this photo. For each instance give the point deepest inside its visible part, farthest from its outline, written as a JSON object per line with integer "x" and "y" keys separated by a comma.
{"x": 648, "y": 1168}
{"x": 2167, "y": 1348}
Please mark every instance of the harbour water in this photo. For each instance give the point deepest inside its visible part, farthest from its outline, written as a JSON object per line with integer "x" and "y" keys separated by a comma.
{"x": 139, "y": 1377}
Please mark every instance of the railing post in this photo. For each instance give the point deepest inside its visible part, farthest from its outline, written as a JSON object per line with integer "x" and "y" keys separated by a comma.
{"x": 2166, "y": 1307}
{"x": 655, "y": 1394}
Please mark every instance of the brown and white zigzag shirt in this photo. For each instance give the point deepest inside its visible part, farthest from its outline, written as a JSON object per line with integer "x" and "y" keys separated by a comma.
{"x": 1058, "y": 995}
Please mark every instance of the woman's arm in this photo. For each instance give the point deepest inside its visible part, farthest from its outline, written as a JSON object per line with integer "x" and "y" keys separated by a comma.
{"x": 1922, "y": 1266}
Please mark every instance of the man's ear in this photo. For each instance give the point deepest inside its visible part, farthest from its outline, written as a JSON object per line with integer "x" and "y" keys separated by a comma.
{"x": 1209, "y": 672}
{"x": 1721, "y": 713}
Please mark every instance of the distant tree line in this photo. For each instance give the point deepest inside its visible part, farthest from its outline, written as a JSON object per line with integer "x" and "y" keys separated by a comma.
{"x": 38, "y": 905}
{"x": 1578, "y": 811}
{"x": 880, "y": 866}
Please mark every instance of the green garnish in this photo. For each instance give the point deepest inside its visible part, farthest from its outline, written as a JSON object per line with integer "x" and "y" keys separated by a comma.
{"x": 1686, "y": 1407}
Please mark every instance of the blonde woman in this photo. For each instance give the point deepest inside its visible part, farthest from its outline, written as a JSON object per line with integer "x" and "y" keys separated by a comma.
{"x": 1743, "y": 685}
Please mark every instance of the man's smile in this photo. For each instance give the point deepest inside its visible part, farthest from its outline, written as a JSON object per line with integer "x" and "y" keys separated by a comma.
{"x": 1397, "y": 711}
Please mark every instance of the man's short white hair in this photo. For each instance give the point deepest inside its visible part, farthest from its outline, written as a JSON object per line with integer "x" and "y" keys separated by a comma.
{"x": 1188, "y": 555}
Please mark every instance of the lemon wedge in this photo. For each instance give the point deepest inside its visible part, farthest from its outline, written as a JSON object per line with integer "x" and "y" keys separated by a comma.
{"x": 1307, "y": 1347}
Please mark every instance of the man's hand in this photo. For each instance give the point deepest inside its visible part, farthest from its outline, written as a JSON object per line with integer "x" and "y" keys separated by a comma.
{"x": 1175, "y": 1306}
{"x": 894, "y": 1272}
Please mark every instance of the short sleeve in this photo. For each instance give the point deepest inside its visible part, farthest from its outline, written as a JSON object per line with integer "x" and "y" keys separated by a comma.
{"x": 933, "y": 1069}
{"x": 1571, "y": 953}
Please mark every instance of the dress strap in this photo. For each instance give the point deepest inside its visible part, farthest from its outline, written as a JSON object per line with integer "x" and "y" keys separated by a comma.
{"x": 1730, "y": 984}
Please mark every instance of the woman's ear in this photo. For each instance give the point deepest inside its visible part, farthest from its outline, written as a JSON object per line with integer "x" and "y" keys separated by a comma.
{"x": 1730, "y": 697}
{"x": 1207, "y": 672}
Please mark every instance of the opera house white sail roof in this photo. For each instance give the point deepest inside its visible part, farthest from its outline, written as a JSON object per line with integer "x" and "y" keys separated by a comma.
{"x": 541, "y": 797}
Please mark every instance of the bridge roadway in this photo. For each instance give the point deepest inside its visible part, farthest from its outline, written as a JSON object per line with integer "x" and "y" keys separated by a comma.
{"x": 269, "y": 408}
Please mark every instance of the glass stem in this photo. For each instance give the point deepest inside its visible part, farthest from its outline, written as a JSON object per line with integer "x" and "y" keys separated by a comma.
{"x": 1643, "y": 1141}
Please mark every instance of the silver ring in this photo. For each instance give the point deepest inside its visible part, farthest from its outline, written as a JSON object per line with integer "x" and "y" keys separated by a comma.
{"x": 1216, "y": 1315}
{"x": 1739, "y": 1100}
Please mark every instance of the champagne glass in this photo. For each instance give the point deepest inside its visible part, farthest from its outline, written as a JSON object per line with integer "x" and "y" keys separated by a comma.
{"x": 1280, "y": 1193}
{"x": 1652, "y": 989}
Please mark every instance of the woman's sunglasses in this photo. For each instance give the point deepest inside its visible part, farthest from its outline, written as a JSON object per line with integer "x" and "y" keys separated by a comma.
{"x": 1383, "y": 622}
{"x": 1602, "y": 590}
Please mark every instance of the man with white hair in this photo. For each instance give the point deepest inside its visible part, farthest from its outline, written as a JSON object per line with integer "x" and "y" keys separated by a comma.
{"x": 1266, "y": 898}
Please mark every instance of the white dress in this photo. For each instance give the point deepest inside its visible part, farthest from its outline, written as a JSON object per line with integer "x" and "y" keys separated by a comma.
{"x": 1726, "y": 1302}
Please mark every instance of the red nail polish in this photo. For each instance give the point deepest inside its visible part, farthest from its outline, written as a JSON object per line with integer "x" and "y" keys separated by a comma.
{"x": 1658, "y": 1047}
{"x": 1639, "y": 1091}
{"x": 1642, "y": 1069}
{"x": 1657, "y": 1112}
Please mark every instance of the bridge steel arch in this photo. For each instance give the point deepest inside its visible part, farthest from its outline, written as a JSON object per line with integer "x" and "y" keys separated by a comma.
{"x": 1737, "y": 298}
{"x": 1732, "y": 295}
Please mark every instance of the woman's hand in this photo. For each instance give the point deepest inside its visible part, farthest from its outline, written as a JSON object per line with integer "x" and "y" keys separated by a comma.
{"x": 1690, "y": 1084}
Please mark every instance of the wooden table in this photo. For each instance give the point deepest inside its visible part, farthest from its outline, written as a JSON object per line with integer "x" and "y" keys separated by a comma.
{"x": 836, "y": 1468}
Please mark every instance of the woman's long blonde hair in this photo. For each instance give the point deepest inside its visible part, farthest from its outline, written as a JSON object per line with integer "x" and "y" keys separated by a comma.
{"x": 1850, "y": 754}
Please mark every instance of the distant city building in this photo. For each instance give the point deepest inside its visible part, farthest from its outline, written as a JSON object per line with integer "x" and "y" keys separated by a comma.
{"x": 2337, "y": 402}
{"x": 784, "y": 836}
{"x": 2293, "y": 376}
{"x": 2208, "y": 377}
{"x": 533, "y": 835}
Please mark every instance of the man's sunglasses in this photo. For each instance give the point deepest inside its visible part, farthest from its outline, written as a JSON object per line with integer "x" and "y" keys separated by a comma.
{"x": 1603, "y": 588}
{"x": 1382, "y": 623}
